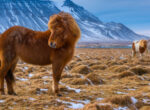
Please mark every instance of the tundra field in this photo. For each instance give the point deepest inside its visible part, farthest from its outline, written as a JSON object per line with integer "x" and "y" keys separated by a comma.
{"x": 96, "y": 79}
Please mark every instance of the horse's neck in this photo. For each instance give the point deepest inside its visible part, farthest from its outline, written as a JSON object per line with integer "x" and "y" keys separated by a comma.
{"x": 43, "y": 34}
{"x": 47, "y": 33}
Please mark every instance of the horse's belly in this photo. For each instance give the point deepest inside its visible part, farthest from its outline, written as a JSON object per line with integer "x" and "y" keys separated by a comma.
{"x": 35, "y": 60}
{"x": 33, "y": 57}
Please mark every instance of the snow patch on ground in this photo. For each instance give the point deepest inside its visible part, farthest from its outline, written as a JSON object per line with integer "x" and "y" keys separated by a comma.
{"x": 30, "y": 75}
{"x": 21, "y": 79}
{"x": 76, "y": 90}
{"x": 45, "y": 77}
{"x": 147, "y": 101}
{"x": 44, "y": 90}
{"x": 121, "y": 108}
{"x": 25, "y": 68}
{"x": 81, "y": 101}
{"x": 131, "y": 89}
{"x": 99, "y": 99}
{"x": 118, "y": 92}
{"x": 2, "y": 101}
{"x": 134, "y": 100}
{"x": 68, "y": 87}
{"x": 72, "y": 104}
{"x": 32, "y": 99}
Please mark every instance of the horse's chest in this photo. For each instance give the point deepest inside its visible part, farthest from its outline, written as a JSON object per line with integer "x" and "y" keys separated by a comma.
{"x": 137, "y": 47}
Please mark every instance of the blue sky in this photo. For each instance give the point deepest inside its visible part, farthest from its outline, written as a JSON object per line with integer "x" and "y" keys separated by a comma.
{"x": 133, "y": 13}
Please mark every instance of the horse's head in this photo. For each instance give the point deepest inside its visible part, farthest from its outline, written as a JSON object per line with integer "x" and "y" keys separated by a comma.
{"x": 55, "y": 25}
{"x": 64, "y": 30}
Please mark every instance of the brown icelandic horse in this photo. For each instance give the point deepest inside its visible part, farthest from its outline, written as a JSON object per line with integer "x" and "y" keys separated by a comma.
{"x": 54, "y": 46}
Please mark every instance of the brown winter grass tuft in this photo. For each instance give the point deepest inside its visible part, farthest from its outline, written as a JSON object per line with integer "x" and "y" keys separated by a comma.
{"x": 119, "y": 68}
{"x": 81, "y": 81}
{"x": 125, "y": 74}
{"x": 76, "y": 81}
{"x": 95, "y": 78}
{"x": 82, "y": 69}
{"x": 73, "y": 64}
{"x": 120, "y": 100}
{"x": 139, "y": 104}
{"x": 95, "y": 63}
{"x": 145, "y": 108}
{"x": 123, "y": 61}
{"x": 40, "y": 75}
{"x": 98, "y": 67}
{"x": 97, "y": 106}
{"x": 65, "y": 75}
{"x": 139, "y": 70}
{"x": 77, "y": 58}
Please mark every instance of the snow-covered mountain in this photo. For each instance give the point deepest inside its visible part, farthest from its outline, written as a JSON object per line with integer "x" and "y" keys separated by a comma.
{"x": 35, "y": 14}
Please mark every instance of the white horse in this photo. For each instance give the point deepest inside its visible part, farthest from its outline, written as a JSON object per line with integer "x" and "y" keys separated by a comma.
{"x": 139, "y": 47}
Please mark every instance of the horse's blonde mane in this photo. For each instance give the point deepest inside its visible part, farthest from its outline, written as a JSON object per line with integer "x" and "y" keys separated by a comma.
{"x": 143, "y": 43}
{"x": 71, "y": 24}
{"x": 66, "y": 20}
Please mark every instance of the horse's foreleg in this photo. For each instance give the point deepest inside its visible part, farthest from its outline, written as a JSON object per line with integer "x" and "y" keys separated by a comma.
{"x": 2, "y": 92}
{"x": 3, "y": 71}
{"x": 57, "y": 71}
{"x": 10, "y": 79}
{"x": 147, "y": 51}
{"x": 6, "y": 69}
{"x": 133, "y": 53}
{"x": 141, "y": 55}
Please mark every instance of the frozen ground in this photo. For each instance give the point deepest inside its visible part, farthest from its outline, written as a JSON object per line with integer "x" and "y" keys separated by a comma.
{"x": 96, "y": 79}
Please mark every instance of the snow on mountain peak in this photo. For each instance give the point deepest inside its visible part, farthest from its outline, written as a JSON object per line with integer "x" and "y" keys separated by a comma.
{"x": 35, "y": 14}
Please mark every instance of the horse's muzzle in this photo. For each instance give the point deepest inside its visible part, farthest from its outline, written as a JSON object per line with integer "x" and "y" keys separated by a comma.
{"x": 52, "y": 45}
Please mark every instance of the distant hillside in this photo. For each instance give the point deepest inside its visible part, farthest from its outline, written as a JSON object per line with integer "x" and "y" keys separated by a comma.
{"x": 35, "y": 14}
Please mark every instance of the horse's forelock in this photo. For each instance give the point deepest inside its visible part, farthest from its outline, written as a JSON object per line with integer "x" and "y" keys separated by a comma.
{"x": 68, "y": 24}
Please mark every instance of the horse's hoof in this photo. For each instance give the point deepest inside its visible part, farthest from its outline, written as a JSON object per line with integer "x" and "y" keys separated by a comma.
{"x": 2, "y": 93}
{"x": 12, "y": 93}
{"x": 59, "y": 95}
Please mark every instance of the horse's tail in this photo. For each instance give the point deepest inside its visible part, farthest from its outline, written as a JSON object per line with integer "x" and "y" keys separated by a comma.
{"x": 10, "y": 77}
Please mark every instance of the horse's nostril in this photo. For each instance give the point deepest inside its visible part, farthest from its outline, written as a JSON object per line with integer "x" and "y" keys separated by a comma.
{"x": 54, "y": 45}
{"x": 51, "y": 44}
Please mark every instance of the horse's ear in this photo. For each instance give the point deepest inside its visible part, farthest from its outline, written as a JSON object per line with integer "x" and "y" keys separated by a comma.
{"x": 59, "y": 18}
{"x": 53, "y": 19}
{"x": 49, "y": 24}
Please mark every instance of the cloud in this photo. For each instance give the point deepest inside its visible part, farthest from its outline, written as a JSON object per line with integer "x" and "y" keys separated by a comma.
{"x": 143, "y": 32}
{"x": 133, "y": 13}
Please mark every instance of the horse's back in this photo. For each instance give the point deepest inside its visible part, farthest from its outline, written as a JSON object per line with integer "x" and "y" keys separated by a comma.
{"x": 31, "y": 46}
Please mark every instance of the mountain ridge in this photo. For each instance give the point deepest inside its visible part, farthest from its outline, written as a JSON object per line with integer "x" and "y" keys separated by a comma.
{"x": 26, "y": 13}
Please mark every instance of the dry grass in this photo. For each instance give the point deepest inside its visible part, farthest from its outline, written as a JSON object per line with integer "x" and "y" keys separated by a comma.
{"x": 139, "y": 70}
{"x": 145, "y": 108}
{"x": 96, "y": 79}
{"x": 82, "y": 69}
{"x": 126, "y": 74}
{"x": 95, "y": 64}
{"x": 97, "y": 107}
{"x": 119, "y": 68}
{"x": 120, "y": 100}
{"x": 76, "y": 81}
{"x": 98, "y": 67}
